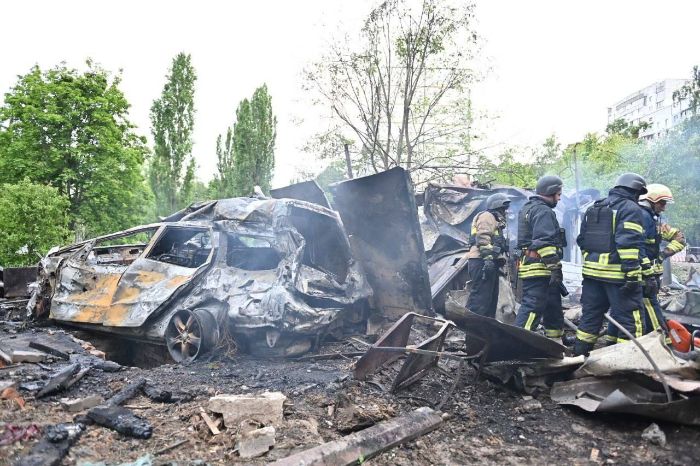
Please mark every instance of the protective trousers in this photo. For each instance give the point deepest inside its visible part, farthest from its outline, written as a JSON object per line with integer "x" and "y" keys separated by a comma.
{"x": 541, "y": 301}
{"x": 653, "y": 316}
{"x": 596, "y": 298}
{"x": 483, "y": 289}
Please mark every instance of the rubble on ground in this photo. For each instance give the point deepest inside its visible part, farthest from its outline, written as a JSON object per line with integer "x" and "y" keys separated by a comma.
{"x": 394, "y": 381}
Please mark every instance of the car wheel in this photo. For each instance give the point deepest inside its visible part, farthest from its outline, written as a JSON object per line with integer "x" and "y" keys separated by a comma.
{"x": 190, "y": 334}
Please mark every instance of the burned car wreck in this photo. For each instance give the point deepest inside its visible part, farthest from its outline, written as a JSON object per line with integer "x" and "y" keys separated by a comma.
{"x": 274, "y": 274}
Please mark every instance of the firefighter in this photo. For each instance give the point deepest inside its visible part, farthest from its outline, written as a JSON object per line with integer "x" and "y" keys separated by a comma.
{"x": 487, "y": 255}
{"x": 653, "y": 204}
{"x": 541, "y": 241}
{"x": 612, "y": 243}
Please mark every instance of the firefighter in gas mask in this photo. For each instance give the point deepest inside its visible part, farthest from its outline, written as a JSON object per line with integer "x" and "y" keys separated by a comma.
{"x": 653, "y": 204}
{"x": 612, "y": 244}
{"x": 487, "y": 255}
{"x": 540, "y": 241}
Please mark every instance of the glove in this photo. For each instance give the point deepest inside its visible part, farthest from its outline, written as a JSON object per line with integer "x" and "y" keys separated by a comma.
{"x": 557, "y": 277}
{"x": 665, "y": 254}
{"x": 651, "y": 287}
{"x": 631, "y": 286}
{"x": 488, "y": 269}
{"x": 552, "y": 261}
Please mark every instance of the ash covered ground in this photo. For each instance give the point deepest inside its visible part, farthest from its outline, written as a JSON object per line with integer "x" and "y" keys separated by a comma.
{"x": 485, "y": 422}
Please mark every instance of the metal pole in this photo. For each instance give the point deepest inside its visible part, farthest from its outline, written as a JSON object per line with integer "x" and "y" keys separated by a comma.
{"x": 577, "y": 220}
{"x": 347, "y": 160}
{"x": 578, "y": 180}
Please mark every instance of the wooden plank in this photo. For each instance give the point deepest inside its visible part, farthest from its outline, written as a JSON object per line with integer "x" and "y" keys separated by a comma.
{"x": 368, "y": 442}
{"x": 210, "y": 423}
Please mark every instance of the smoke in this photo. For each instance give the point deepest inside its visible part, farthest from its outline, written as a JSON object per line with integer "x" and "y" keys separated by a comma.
{"x": 673, "y": 160}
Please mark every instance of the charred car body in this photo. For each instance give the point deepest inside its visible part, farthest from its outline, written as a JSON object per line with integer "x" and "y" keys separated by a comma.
{"x": 277, "y": 275}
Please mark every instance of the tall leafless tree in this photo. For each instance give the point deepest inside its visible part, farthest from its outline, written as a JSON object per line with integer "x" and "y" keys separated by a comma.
{"x": 400, "y": 92}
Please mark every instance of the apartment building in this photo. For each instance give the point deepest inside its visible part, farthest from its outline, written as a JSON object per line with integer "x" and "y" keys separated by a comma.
{"x": 653, "y": 104}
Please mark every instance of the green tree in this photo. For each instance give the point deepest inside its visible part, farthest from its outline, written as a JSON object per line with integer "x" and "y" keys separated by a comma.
{"x": 222, "y": 186}
{"x": 70, "y": 130}
{"x": 253, "y": 145}
{"x": 506, "y": 169}
{"x": 625, "y": 128}
{"x": 401, "y": 89}
{"x": 333, "y": 173}
{"x": 690, "y": 92}
{"x": 172, "y": 167}
{"x": 33, "y": 218}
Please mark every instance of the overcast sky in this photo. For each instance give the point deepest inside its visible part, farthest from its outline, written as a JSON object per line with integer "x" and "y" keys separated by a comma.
{"x": 556, "y": 65}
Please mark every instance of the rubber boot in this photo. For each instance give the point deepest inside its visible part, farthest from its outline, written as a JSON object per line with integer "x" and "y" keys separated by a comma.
{"x": 581, "y": 347}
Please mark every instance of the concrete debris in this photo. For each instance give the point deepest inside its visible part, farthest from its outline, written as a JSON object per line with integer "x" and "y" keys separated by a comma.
{"x": 364, "y": 444}
{"x": 81, "y": 404}
{"x": 256, "y": 442}
{"x": 266, "y": 408}
{"x": 16, "y": 356}
{"x": 655, "y": 435}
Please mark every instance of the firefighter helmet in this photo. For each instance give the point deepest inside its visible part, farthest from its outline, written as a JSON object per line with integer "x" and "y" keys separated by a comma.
{"x": 497, "y": 201}
{"x": 549, "y": 185}
{"x": 632, "y": 181}
{"x": 658, "y": 192}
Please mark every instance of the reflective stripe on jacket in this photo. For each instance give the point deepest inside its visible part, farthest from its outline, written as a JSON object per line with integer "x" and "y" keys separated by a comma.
{"x": 654, "y": 233}
{"x": 538, "y": 232}
{"x": 624, "y": 261}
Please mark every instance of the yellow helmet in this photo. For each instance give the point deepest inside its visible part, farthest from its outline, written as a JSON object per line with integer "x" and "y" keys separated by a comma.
{"x": 657, "y": 192}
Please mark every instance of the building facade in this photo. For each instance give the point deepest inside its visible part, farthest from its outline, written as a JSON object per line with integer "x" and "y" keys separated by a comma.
{"x": 654, "y": 105}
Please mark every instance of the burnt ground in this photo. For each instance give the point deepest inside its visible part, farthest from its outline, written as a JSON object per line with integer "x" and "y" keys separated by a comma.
{"x": 486, "y": 422}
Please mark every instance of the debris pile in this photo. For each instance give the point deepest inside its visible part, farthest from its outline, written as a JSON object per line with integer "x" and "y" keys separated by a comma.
{"x": 207, "y": 300}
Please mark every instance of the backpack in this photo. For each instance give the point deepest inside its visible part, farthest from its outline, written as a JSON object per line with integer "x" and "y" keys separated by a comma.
{"x": 598, "y": 228}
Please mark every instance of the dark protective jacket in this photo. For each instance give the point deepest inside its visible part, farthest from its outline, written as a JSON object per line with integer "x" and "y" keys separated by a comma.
{"x": 624, "y": 247}
{"x": 539, "y": 237}
{"x": 654, "y": 233}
